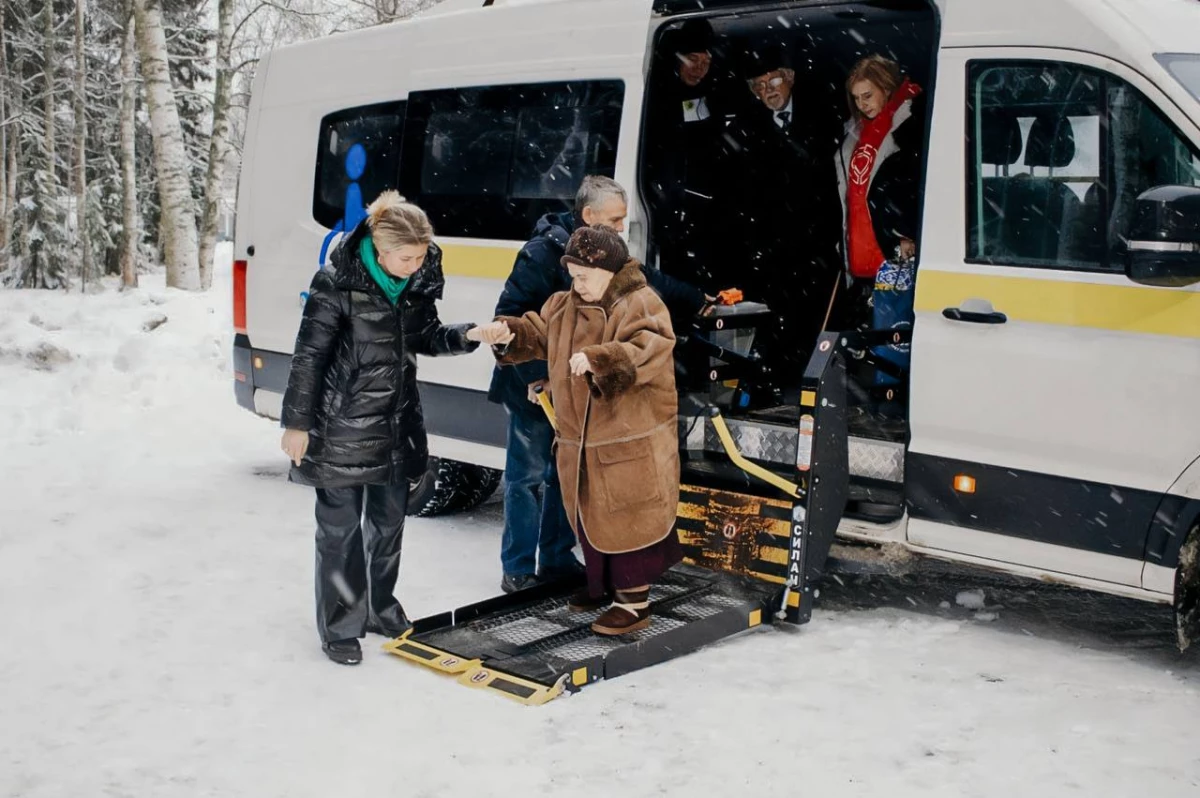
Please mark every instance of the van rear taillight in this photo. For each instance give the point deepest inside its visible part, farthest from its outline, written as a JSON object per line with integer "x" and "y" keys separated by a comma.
{"x": 239, "y": 296}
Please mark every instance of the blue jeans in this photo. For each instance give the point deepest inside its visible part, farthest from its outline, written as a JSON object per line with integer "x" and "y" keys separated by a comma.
{"x": 536, "y": 533}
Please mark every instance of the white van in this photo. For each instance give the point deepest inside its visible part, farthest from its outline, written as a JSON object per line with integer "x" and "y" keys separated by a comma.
{"x": 1053, "y": 411}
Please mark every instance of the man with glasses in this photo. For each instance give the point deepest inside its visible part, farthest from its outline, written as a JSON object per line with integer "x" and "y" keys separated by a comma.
{"x": 786, "y": 206}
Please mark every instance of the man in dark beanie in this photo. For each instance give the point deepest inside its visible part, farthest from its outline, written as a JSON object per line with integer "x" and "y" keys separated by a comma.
{"x": 537, "y": 540}
{"x": 608, "y": 343}
{"x": 690, "y": 100}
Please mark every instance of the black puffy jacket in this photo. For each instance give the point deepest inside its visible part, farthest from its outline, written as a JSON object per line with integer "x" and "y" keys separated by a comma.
{"x": 353, "y": 383}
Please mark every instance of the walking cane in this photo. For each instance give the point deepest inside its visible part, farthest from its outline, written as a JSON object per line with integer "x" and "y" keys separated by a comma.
{"x": 544, "y": 401}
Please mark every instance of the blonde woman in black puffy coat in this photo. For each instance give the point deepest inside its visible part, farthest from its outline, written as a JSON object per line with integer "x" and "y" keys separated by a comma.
{"x": 352, "y": 414}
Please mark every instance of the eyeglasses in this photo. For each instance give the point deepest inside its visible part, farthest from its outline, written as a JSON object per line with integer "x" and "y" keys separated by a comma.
{"x": 760, "y": 86}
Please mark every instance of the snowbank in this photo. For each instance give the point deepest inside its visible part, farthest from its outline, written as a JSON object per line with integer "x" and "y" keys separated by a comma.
{"x": 155, "y": 580}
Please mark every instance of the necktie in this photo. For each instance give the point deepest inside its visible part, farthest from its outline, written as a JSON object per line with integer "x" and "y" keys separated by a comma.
{"x": 783, "y": 119}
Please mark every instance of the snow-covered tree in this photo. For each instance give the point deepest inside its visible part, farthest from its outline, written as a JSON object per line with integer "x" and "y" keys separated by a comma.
{"x": 218, "y": 152}
{"x": 119, "y": 142}
{"x": 177, "y": 226}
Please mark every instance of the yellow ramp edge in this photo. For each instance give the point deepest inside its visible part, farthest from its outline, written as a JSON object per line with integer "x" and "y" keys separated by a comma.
{"x": 472, "y": 672}
{"x": 430, "y": 657}
{"x": 523, "y": 691}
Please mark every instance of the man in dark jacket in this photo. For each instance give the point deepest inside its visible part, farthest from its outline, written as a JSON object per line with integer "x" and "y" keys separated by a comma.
{"x": 537, "y": 540}
{"x": 786, "y": 205}
{"x": 690, "y": 100}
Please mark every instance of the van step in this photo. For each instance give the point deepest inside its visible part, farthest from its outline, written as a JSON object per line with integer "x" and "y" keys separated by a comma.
{"x": 776, "y": 444}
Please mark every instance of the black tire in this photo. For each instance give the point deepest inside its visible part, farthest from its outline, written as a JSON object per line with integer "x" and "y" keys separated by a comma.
{"x": 450, "y": 487}
{"x": 1187, "y": 592}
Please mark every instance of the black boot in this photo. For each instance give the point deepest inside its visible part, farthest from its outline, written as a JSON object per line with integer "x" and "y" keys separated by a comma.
{"x": 573, "y": 571}
{"x": 511, "y": 584}
{"x": 343, "y": 652}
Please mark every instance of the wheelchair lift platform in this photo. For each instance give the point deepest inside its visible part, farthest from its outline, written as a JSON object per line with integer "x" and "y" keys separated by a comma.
{"x": 753, "y": 557}
{"x": 529, "y": 647}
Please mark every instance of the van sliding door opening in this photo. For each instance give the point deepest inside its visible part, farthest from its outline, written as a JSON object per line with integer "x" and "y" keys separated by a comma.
{"x": 745, "y": 117}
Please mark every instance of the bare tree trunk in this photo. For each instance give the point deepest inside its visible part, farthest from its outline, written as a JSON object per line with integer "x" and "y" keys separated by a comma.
{"x": 129, "y": 222}
{"x": 218, "y": 151}
{"x": 170, "y": 158}
{"x": 5, "y": 207}
{"x": 81, "y": 192}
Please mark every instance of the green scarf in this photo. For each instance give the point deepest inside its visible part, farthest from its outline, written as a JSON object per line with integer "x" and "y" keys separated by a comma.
{"x": 392, "y": 287}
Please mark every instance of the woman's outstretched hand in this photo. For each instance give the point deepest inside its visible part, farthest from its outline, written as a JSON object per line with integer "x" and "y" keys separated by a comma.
{"x": 294, "y": 444}
{"x": 495, "y": 333}
{"x": 580, "y": 364}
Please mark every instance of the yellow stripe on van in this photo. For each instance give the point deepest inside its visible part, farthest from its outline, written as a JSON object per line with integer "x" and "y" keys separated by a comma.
{"x": 468, "y": 260}
{"x": 1136, "y": 309}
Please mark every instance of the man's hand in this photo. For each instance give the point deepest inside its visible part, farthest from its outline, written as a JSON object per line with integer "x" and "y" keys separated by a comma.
{"x": 579, "y": 364}
{"x": 294, "y": 444}
{"x": 491, "y": 334}
{"x": 532, "y": 390}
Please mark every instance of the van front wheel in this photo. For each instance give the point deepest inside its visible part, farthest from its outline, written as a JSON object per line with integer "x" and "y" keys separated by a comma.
{"x": 450, "y": 487}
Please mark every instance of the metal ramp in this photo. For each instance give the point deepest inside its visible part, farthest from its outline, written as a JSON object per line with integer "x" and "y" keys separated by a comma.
{"x": 531, "y": 648}
{"x": 750, "y": 560}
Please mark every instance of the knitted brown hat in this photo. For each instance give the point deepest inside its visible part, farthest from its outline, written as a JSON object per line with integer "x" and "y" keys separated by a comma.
{"x": 598, "y": 247}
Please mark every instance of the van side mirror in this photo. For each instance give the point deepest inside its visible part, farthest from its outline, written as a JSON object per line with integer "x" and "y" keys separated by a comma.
{"x": 1163, "y": 247}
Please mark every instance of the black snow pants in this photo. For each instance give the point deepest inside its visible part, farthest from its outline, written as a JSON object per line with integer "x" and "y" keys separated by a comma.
{"x": 358, "y": 560}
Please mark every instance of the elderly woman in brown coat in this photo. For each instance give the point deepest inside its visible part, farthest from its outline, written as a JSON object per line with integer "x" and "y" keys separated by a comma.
{"x": 608, "y": 342}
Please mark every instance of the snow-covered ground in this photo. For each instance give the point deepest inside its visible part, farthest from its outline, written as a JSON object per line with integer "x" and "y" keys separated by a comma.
{"x": 156, "y": 632}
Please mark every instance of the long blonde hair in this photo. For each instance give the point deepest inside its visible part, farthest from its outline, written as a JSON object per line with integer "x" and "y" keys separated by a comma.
{"x": 395, "y": 223}
{"x": 880, "y": 70}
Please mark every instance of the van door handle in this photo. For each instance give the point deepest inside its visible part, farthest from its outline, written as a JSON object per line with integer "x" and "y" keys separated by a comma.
{"x": 975, "y": 311}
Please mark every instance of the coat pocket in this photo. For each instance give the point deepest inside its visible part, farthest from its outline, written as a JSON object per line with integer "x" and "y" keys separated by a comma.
{"x": 628, "y": 474}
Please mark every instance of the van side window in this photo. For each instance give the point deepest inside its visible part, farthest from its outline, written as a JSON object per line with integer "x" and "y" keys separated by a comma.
{"x": 489, "y": 162}
{"x": 1057, "y": 154}
{"x": 358, "y": 156}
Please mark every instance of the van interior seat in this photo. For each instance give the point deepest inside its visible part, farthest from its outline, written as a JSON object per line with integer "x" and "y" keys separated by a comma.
{"x": 1000, "y": 146}
{"x": 1089, "y": 237}
{"x": 1040, "y": 212}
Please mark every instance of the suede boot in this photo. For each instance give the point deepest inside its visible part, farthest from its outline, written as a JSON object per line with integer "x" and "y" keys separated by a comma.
{"x": 630, "y": 612}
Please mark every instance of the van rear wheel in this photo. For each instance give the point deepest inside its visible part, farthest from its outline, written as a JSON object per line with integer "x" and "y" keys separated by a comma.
{"x": 450, "y": 487}
{"x": 1187, "y": 592}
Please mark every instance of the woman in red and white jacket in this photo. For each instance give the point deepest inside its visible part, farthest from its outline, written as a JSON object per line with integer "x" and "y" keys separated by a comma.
{"x": 879, "y": 182}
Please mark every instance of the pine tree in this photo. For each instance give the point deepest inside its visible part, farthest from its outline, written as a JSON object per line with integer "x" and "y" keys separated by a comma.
{"x": 47, "y": 253}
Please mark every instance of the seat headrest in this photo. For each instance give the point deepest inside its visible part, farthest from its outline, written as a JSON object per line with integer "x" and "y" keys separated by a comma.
{"x": 1000, "y": 137}
{"x": 1051, "y": 142}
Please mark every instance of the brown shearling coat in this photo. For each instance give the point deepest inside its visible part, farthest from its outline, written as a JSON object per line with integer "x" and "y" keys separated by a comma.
{"x": 621, "y": 416}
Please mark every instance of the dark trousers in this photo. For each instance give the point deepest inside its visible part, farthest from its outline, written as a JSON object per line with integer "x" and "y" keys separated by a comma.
{"x": 536, "y": 535}
{"x": 609, "y": 572}
{"x": 358, "y": 560}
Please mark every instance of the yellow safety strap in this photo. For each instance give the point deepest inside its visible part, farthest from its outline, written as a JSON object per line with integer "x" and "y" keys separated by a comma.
{"x": 770, "y": 477}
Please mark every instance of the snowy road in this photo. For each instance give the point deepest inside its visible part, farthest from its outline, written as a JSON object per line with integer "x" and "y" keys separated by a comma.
{"x": 155, "y": 588}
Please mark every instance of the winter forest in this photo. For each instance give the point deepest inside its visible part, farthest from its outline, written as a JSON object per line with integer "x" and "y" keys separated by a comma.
{"x": 121, "y": 125}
